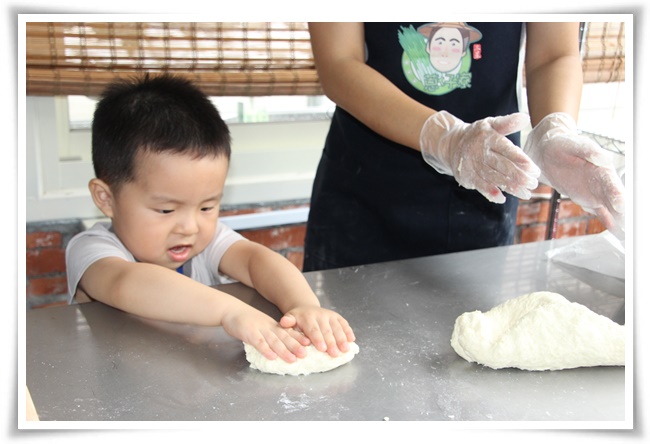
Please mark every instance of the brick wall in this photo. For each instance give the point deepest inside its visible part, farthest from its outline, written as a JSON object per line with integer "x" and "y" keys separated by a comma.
{"x": 46, "y": 241}
{"x": 533, "y": 216}
{"x": 45, "y": 256}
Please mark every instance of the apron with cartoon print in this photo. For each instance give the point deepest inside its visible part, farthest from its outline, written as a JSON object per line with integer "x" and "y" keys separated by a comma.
{"x": 374, "y": 200}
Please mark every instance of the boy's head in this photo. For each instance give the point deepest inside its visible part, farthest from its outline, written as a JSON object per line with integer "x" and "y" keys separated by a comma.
{"x": 161, "y": 153}
{"x": 153, "y": 114}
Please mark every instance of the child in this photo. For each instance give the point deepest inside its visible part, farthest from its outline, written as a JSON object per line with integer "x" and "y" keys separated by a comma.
{"x": 161, "y": 153}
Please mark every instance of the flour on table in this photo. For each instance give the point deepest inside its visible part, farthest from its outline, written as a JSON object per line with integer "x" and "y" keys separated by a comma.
{"x": 315, "y": 362}
{"x": 539, "y": 331}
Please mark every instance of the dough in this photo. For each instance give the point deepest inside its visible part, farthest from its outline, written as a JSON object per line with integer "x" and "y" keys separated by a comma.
{"x": 539, "y": 331}
{"x": 315, "y": 361}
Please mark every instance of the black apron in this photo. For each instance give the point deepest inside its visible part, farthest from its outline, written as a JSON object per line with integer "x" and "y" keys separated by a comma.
{"x": 374, "y": 200}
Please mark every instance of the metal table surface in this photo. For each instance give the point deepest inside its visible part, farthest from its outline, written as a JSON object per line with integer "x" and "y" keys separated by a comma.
{"x": 92, "y": 362}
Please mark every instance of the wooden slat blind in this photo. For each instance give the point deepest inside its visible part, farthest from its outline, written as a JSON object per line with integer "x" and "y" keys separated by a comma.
{"x": 225, "y": 59}
{"x": 603, "y": 49}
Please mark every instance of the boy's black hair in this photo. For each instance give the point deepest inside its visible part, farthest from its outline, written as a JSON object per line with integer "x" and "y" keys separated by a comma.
{"x": 157, "y": 114}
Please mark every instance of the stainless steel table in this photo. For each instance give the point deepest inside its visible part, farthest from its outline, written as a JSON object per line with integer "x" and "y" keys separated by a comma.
{"x": 91, "y": 362}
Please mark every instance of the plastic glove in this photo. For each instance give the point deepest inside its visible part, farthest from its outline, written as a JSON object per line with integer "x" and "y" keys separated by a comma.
{"x": 478, "y": 155}
{"x": 577, "y": 167}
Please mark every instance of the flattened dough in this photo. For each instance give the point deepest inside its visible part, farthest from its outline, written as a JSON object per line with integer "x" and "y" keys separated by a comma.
{"x": 539, "y": 331}
{"x": 315, "y": 361}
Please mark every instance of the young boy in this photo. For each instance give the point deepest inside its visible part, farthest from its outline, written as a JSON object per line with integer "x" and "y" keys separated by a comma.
{"x": 161, "y": 153}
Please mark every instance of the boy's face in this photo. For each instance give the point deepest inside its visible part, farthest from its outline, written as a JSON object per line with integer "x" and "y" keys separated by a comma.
{"x": 168, "y": 214}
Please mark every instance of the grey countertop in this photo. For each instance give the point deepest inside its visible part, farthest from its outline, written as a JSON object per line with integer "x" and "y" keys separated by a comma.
{"x": 91, "y": 362}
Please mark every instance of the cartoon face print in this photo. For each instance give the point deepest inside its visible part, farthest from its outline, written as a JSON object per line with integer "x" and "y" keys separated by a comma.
{"x": 436, "y": 59}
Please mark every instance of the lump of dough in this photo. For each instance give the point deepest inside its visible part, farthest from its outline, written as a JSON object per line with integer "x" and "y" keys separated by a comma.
{"x": 539, "y": 331}
{"x": 316, "y": 361}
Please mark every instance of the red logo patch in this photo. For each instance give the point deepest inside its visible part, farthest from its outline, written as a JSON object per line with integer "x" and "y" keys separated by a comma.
{"x": 476, "y": 51}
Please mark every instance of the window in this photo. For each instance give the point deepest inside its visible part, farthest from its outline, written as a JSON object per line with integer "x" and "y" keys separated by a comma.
{"x": 271, "y": 161}
{"x": 261, "y": 74}
{"x": 232, "y": 109}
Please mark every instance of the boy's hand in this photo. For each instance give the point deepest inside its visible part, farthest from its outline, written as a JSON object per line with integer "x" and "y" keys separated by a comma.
{"x": 265, "y": 334}
{"x": 327, "y": 330}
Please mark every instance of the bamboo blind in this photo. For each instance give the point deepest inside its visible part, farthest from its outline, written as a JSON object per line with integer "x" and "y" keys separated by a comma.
{"x": 604, "y": 52}
{"x": 223, "y": 58}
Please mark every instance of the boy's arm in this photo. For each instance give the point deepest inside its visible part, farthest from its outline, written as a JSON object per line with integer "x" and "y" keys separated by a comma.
{"x": 279, "y": 281}
{"x": 155, "y": 292}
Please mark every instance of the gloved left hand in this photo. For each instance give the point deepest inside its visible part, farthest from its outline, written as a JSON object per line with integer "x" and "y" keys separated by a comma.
{"x": 577, "y": 167}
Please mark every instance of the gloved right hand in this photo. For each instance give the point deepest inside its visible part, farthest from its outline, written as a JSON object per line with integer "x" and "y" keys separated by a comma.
{"x": 478, "y": 155}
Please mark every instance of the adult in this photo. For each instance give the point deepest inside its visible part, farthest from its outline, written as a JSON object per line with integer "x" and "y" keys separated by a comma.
{"x": 425, "y": 107}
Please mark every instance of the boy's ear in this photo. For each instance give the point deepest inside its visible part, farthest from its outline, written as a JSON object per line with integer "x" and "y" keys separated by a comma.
{"x": 102, "y": 196}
